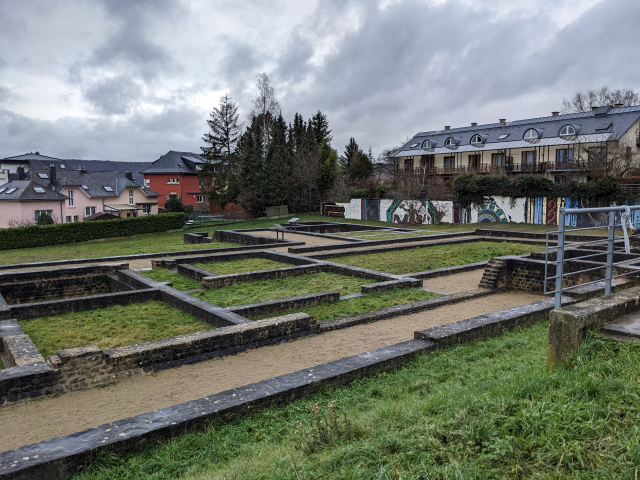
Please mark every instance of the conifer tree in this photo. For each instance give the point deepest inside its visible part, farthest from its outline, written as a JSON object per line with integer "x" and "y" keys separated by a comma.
{"x": 277, "y": 165}
{"x": 328, "y": 167}
{"x": 320, "y": 126}
{"x": 251, "y": 168}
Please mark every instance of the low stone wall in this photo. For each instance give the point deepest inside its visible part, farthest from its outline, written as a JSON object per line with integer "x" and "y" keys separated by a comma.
{"x": 38, "y": 275}
{"x": 63, "y": 456}
{"x": 222, "y": 281}
{"x": 89, "y": 366}
{"x": 16, "y": 348}
{"x": 92, "y": 302}
{"x": 237, "y": 236}
{"x": 196, "y": 273}
{"x": 173, "y": 263}
{"x": 253, "y": 310}
{"x": 38, "y": 291}
{"x": 569, "y": 325}
{"x": 375, "y": 243}
{"x": 491, "y": 324}
{"x": 391, "y": 284}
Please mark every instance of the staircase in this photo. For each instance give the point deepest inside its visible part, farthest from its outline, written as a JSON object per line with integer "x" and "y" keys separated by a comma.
{"x": 493, "y": 272}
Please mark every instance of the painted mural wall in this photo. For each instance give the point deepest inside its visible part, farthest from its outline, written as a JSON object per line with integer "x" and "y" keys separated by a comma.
{"x": 538, "y": 211}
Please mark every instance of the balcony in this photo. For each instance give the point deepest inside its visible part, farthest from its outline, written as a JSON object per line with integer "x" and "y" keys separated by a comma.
{"x": 484, "y": 169}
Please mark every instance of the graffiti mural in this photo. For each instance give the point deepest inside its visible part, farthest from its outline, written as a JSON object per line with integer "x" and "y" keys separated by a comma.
{"x": 492, "y": 212}
{"x": 371, "y": 210}
{"x": 411, "y": 211}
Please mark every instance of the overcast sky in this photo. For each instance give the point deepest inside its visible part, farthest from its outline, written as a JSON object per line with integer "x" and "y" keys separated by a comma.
{"x": 130, "y": 80}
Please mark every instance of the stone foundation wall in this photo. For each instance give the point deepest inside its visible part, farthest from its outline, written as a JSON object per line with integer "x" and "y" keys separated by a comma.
{"x": 89, "y": 366}
{"x": 53, "y": 289}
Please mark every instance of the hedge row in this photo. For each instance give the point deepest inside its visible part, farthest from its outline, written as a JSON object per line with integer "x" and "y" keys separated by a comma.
{"x": 44, "y": 235}
{"x": 471, "y": 188}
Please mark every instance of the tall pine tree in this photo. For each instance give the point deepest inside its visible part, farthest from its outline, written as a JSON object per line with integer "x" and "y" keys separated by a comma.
{"x": 277, "y": 165}
{"x": 328, "y": 167}
{"x": 320, "y": 126}
{"x": 251, "y": 168}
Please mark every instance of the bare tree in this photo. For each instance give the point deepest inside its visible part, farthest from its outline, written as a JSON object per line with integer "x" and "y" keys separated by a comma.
{"x": 265, "y": 103}
{"x": 584, "y": 101}
{"x": 605, "y": 158}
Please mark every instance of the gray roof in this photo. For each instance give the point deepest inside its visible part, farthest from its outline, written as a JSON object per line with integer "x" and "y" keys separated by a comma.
{"x": 112, "y": 166}
{"x": 24, "y": 191}
{"x": 613, "y": 122}
{"x": 175, "y": 162}
{"x": 94, "y": 184}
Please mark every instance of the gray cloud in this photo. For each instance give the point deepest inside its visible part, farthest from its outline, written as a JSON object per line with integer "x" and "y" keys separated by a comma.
{"x": 114, "y": 95}
{"x": 148, "y": 76}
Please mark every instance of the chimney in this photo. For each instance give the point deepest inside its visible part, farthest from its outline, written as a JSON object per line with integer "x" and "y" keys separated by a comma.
{"x": 503, "y": 120}
{"x": 82, "y": 170}
{"x": 618, "y": 105}
{"x": 555, "y": 114}
{"x": 474, "y": 124}
{"x": 20, "y": 173}
{"x": 593, "y": 109}
{"x": 129, "y": 175}
{"x": 447, "y": 127}
{"x": 52, "y": 175}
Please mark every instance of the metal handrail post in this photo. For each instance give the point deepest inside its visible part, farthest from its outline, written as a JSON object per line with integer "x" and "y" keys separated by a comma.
{"x": 610, "y": 242}
{"x": 560, "y": 260}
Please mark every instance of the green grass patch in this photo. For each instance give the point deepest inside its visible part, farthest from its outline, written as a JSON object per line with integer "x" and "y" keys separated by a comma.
{"x": 111, "y": 327}
{"x": 429, "y": 258}
{"x": 483, "y": 410}
{"x": 371, "y": 301}
{"x": 241, "y": 266}
{"x": 1, "y": 365}
{"x": 394, "y": 235}
{"x": 253, "y": 292}
{"x": 180, "y": 282}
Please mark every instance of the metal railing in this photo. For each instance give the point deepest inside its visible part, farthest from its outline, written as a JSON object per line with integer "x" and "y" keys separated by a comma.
{"x": 623, "y": 245}
{"x": 536, "y": 167}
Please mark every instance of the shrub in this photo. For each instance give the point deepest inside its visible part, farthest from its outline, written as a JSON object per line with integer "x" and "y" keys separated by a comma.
{"x": 45, "y": 219}
{"x": 604, "y": 189}
{"x": 174, "y": 204}
{"x": 43, "y": 235}
{"x": 360, "y": 193}
{"x": 381, "y": 191}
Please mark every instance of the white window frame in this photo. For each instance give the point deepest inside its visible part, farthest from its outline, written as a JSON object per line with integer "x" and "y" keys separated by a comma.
{"x": 46, "y": 212}
{"x": 90, "y": 211}
{"x": 147, "y": 183}
{"x": 427, "y": 144}
{"x": 567, "y": 134}
{"x": 131, "y": 197}
{"x": 200, "y": 198}
{"x": 450, "y": 142}
{"x": 531, "y": 134}
{"x": 478, "y": 139}
{"x": 70, "y": 192}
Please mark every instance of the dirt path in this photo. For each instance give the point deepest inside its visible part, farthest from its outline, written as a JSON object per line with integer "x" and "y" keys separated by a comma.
{"x": 44, "y": 419}
{"x": 456, "y": 283}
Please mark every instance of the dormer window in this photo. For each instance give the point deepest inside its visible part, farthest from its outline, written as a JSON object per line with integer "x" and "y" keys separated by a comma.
{"x": 531, "y": 134}
{"x": 450, "y": 142}
{"x": 477, "y": 139}
{"x": 426, "y": 144}
{"x": 568, "y": 131}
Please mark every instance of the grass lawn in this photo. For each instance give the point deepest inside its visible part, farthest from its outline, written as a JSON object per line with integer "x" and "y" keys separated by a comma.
{"x": 173, "y": 241}
{"x": 252, "y": 292}
{"x": 111, "y": 327}
{"x": 371, "y": 301}
{"x": 180, "y": 282}
{"x": 429, "y": 258}
{"x": 240, "y": 266}
{"x": 483, "y": 410}
{"x": 151, "y": 243}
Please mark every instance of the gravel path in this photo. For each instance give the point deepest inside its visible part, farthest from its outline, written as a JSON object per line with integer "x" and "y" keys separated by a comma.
{"x": 40, "y": 420}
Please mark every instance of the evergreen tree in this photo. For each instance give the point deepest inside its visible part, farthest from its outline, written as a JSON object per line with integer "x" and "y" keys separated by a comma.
{"x": 350, "y": 150}
{"x": 328, "y": 167}
{"x": 277, "y": 165}
{"x": 320, "y": 126}
{"x": 217, "y": 178}
{"x": 225, "y": 129}
{"x": 251, "y": 168}
{"x": 361, "y": 167}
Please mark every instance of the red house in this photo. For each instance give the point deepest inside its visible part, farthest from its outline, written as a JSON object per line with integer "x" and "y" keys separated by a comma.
{"x": 176, "y": 173}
